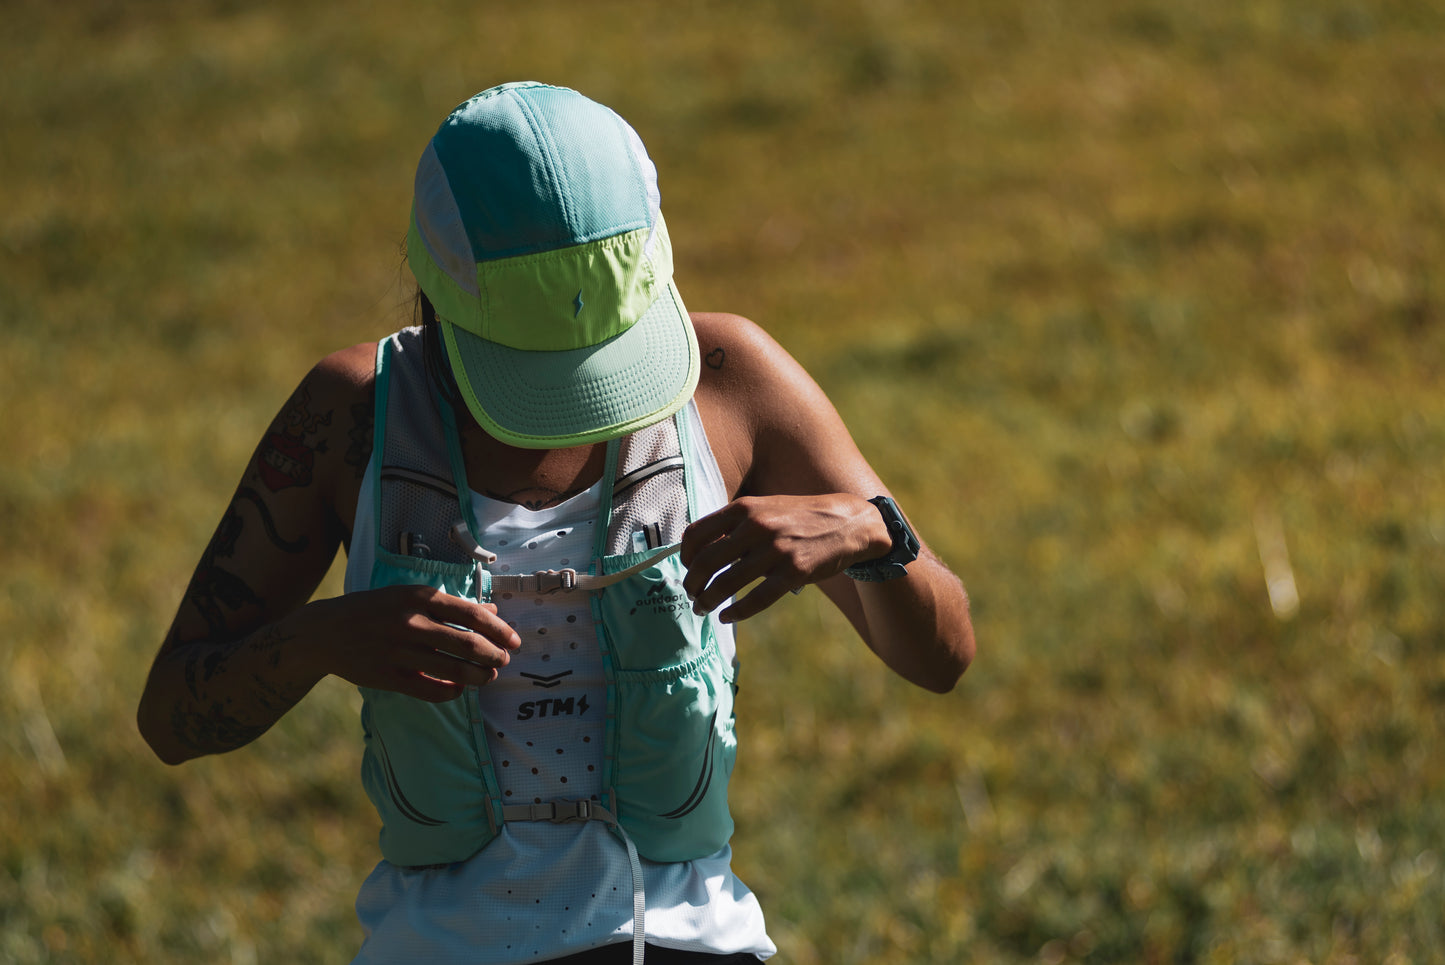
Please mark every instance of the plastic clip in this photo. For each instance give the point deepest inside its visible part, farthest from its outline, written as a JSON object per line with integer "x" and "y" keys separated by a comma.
{"x": 463, "y": 538}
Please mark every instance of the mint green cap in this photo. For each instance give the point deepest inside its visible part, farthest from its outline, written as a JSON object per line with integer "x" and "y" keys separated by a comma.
{"x": 537, "y": 234}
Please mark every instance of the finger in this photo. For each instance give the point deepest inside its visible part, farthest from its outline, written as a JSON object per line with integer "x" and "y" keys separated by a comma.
{"x": 716, "y": 557}
{"x": 445, "y": 652}
{"x": 445, "y": 608}
{"x": 472, "y": 649}
{"x": 425, "y": 687}
{"x": 460, "y": 673}
{"x": 762, "y": 596}
{"x": 450, "y": 639}
{"x": 731, "y": 581}
{"x": 477, "y": 618}
{"x": 700, "y": 533}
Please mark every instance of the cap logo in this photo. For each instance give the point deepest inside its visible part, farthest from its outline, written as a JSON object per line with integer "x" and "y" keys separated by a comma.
{"x": 578, "y": 302}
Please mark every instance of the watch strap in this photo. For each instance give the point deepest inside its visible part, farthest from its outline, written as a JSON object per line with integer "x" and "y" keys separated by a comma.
{"x": 905, "y": 548}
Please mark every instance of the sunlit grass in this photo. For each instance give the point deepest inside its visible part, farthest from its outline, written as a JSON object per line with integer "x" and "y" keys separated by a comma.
{"x": 1107, "y": 291}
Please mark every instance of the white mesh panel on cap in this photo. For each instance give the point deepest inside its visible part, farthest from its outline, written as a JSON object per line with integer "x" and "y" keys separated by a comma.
{"x": 440, "y": 223}
{"x": 649, "y": 172}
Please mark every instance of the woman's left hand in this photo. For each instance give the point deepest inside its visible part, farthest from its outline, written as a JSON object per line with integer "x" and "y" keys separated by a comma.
{"x": 786, "y": 542}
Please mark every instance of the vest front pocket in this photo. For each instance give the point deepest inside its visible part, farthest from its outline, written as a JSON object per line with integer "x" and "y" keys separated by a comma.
{"x": 649, "y": 616}
{"x": 423, "y": 761}
{"x": 674, "y": 744}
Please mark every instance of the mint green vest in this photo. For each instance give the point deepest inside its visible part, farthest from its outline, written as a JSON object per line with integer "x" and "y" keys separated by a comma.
{"x": 669, "y": 727}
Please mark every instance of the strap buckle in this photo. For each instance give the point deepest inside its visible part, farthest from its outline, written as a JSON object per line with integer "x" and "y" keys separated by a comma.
{"x": 551, "y": 581}
{"x": 560, "y": 812}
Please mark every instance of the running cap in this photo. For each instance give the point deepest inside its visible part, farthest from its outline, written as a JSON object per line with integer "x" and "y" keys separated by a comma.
{"x": 537, "y": 234}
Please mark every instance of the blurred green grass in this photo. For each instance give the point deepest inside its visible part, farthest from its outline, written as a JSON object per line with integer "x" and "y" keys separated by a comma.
{"x": 1108, "y": 291}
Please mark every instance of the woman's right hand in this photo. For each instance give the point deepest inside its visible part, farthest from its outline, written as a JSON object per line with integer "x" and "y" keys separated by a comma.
{"x": 414, "y": 640}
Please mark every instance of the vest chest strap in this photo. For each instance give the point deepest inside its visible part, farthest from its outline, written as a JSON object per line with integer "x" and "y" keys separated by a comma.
{"x": 550, "y": 581}
{"x": 560, "y": 811}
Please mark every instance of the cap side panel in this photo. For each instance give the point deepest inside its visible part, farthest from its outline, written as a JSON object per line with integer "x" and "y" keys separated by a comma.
{"x": 439, "y": 222}
{"x": 648, "y": 172}
{"x": 449, "y": 298}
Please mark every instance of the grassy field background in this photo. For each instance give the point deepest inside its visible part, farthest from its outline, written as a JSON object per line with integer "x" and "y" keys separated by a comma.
{"x": 1133, "y": 302}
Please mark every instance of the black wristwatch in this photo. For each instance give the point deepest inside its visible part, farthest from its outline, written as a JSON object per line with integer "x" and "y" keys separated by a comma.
{"x": 905, "y": 547}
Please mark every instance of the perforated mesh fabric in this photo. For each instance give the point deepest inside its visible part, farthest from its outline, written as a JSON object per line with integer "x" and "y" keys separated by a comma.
{"x": 405, "y": 499}
{"x": 652, "y": 458}
{"x": 416, "y": 479}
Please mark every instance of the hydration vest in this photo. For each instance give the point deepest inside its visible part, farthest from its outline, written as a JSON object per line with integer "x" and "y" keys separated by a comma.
{"x": 669, "y": 743}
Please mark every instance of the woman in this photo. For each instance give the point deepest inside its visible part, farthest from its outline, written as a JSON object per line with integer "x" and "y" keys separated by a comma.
{"x": 553, "y": 494}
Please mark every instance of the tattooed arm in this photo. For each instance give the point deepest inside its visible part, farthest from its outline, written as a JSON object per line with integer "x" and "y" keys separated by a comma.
{"x": 245, "y": 645}
{"x": 229, "y": 667}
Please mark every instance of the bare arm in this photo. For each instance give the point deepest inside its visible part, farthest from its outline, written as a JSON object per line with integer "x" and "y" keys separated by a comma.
{"x": 245, "y": 645}
{"x": 803, "y": 515}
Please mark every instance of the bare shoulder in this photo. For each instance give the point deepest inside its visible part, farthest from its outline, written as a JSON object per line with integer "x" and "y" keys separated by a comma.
{"x": 765, "y": 415}
{"x": 734, "y": 347}
{"x": 744, "y": 368}
{"x": 737, "y": 357}
{"x": 716, "y": 327}
{"x": 320, "y": 442}
{"x": 347, "y": 370}
{"x": 339, "y": 392}
{"x": 332, "y": 405}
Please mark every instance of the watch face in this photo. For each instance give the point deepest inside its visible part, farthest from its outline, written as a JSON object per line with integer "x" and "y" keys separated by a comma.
{"x": 905, "y": 544}
{"x": 904, "y": 550}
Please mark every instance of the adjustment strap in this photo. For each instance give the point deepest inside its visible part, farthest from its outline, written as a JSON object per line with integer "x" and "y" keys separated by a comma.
{"x": 551, "y": 581}
{"x": 542, "y": 581}
{"x": 561, "y": 811}
{"x": 639, "y": 900}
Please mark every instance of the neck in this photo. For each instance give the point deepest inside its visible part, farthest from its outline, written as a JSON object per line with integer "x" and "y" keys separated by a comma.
{"x": 534, "y": 478}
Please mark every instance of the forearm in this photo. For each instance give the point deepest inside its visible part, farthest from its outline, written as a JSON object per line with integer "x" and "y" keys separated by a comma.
{"x": 919, "y": 626}
{"x": 207, "y": 697}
